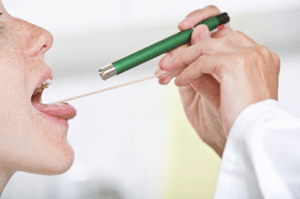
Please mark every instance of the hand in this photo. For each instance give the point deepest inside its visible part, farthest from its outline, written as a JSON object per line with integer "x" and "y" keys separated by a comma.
{"x": 232, "y": 73}
{"x": 201, "y": 113}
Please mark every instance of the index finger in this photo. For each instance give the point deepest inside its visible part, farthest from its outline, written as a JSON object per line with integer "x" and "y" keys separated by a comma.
{"x": 191, "y": 54}
{"x": 197, "y": 16}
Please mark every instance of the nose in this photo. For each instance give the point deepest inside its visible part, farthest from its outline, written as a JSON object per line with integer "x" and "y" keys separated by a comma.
{"x": 35, "y": 40}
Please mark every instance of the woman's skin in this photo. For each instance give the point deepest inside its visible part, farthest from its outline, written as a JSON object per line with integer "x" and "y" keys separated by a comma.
{"x": 32, "y": 135}
{"x": 218, "y": 76}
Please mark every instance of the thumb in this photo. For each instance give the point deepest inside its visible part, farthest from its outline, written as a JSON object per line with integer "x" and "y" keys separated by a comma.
{"x": 199, "y": 33}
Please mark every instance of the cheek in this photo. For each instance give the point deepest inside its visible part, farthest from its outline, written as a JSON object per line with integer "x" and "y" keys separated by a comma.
{"x": 12, "y": 79}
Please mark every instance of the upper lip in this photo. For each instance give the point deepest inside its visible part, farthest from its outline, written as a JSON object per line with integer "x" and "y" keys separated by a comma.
{"x": 47, "y": 75}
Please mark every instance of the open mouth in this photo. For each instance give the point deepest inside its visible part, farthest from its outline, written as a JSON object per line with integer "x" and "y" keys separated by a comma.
{"x": 37, "y": 94}
{"x": 59, "y": 111}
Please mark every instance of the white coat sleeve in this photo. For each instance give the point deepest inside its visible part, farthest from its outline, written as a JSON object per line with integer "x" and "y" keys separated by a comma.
{"x": 262, "y": 154}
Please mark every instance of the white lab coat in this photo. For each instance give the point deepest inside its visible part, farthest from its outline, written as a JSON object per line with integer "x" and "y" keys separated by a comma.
{"x": 262, "y": 155}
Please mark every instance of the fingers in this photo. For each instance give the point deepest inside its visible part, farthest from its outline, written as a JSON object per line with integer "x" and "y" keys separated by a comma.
{"x": 190, "y": 55}
{"x": 171, "y": 54}
{"x": 197, "y": 16}
{"x": 199, "y": 33}
{"x": 163, "y": 60}
{"x": 222, "y": 33}
{"x": 206, "y": 64}
{"x": 238, "y": 38}
{"x": 226, "y": 45}
{"x": 165, "y": 79}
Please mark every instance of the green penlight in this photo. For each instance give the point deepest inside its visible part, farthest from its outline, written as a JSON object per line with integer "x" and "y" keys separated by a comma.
{"x": 158, "y": 48}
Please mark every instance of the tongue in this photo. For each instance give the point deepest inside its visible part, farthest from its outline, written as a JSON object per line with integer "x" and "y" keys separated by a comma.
{"x": 62, "y": 110}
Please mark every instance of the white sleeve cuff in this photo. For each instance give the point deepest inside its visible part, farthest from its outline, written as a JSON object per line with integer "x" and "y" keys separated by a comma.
{"x": 249, "y": 114}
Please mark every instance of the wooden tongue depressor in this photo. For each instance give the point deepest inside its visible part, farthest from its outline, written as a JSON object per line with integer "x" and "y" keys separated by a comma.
{"x": 110, "y": 88}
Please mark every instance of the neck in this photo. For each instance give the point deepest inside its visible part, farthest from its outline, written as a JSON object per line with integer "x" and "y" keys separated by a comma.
{"x": 4, "y": 178}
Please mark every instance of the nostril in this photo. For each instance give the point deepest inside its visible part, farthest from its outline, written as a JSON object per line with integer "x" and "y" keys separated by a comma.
{"x": 44, "y": 41}
{"x": 43, "y": 50}
{"x": 44, "y": 47}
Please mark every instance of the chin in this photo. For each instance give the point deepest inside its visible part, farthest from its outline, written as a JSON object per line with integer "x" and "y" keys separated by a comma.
{"x": 63, "y": 167}
{"x": 55, "y": 166}
{"x": 61, "y": 163}
{"x": 53, "y": 161}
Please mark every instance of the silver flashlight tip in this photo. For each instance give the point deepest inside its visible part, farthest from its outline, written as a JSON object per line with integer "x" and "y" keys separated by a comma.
{"x": 107, "y": 71}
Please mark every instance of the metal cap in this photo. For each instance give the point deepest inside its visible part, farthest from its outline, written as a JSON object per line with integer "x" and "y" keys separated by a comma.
{"x": 107, "y": 71}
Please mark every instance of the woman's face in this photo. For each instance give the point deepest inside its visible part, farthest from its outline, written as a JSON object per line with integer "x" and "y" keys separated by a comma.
{"x": 32, "y": 135}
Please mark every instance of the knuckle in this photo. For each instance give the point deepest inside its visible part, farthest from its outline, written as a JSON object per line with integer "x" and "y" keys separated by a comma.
{"x": 222, "y": 70}
{"x": 240, "y": 60}
{"x": 276, "y": 61}
{"x": 238, "y": 33}
{"x": 276, "y": 58}
{"x": 182, "y": 62}
{"x": 264, "y": 51}
{"x": 205, "y": 42}
{"x": 241, "y": 39}
{"x": 210, "y": 44}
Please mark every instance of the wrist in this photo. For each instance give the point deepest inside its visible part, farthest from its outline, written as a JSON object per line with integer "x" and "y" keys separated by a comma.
{"x": 215, "y": 141}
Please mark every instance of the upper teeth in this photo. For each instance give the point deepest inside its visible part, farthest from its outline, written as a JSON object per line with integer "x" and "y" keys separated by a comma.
{"x": 45, "y": 84}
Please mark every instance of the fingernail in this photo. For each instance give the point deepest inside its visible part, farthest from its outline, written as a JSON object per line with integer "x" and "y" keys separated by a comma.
{"x": 163, "y": 60}
{"x": 166, "y": 66}
{"x": 204, "y": 29}
{"x": 176, "y": 81}
{"x": 157, "y": 71}
{"x": 166, "y": 58}
{"x": 179, "y": 83}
